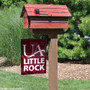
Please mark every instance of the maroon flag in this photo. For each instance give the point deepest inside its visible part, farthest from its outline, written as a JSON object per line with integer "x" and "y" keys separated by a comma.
{"x": 33, "y": 56}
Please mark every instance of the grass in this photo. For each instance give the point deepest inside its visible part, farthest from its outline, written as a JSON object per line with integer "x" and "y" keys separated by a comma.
{"x": 11, "y": 80}
{"x": 11, "y": 33}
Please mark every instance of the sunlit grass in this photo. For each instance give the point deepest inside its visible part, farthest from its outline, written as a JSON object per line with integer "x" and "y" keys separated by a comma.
{"x": 11, "y": 80}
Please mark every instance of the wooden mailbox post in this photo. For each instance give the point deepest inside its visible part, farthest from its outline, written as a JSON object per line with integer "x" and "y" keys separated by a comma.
{"x": 47, "y": 20}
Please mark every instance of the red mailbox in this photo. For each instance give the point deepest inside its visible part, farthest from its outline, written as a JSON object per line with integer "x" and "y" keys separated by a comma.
{"x": 45, "y": 19}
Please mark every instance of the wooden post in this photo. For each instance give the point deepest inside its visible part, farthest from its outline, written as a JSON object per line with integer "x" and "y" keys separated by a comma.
{"x": 53, "y": 80}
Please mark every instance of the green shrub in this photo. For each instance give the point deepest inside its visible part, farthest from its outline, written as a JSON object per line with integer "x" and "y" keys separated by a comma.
{"x": 12, "y": 3}
{"x": 85, "y": 25}
{"x": 85, "y": 28}
{"x": 70, "y": 47}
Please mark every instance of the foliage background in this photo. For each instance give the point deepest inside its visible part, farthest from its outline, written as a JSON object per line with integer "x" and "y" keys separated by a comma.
{"x": 74, "y": 44}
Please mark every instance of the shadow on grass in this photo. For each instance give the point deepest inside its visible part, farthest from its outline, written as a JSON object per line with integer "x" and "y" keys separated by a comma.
{"x": 6, "y": 63}
{"x": 65, "y": 60}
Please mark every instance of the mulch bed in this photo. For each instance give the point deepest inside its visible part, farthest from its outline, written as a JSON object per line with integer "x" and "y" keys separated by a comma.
{"x": 65, "y": 71}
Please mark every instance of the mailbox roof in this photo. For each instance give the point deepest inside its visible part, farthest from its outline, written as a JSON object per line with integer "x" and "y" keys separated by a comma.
{"x": 46, "y": 10}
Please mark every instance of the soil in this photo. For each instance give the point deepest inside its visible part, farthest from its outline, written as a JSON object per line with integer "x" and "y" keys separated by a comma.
{"x": 65, "y": 70}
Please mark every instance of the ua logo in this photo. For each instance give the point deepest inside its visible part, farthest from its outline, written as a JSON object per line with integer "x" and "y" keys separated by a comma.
{"x": 37, "y": 50}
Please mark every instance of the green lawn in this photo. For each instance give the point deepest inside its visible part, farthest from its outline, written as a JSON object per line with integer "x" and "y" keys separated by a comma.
{"x": 11, "y": 80}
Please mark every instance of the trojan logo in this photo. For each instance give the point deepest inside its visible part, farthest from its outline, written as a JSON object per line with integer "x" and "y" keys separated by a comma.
{"x": 33, "y": 52}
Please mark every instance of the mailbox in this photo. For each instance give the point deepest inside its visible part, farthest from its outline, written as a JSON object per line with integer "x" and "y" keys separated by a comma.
{"x": 45, "y": 19}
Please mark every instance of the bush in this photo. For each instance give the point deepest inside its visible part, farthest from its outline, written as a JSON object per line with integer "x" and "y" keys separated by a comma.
{"x": 85, "y": 25}
{"x": 71, "y": 47}
{"x": 85, "y": 28}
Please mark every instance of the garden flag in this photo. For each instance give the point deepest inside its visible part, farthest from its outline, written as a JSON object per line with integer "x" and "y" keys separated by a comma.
{"x": 33, "y": 56}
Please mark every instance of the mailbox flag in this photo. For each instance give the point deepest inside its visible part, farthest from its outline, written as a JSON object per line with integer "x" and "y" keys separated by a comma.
{"x": 33, "y": 56}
